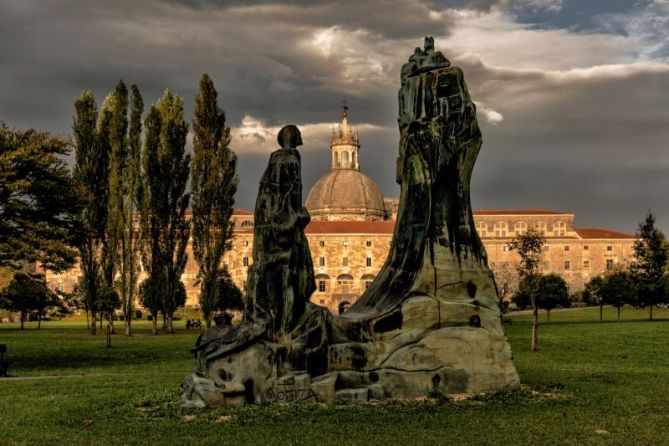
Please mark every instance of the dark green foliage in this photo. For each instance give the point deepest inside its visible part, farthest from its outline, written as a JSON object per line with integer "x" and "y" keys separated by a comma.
{"x": 618, "y": 289}
{"x": 151, "y": 293}
{"x": 592, "y": 294}
{"x": 227, "y": 295}
{"x": 651, "y": 253}
{"x": 26, "y": 293}
{"x": 550, "y": 291}
{"x": 214, "y": 184}
{"x": 553, "y": 293}
{"x": 165, "y": 170}
{"x": 39, "y": 201}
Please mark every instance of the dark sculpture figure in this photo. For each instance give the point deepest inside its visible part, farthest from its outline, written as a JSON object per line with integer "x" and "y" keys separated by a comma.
{"x": 281, "y": 279}
{"x": 429, "y": 321}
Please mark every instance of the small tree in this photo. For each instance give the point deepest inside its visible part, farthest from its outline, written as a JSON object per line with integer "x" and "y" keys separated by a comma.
{"x": 26, "y": 293}
{"x": 592, "y": 294}
{"x": 552, "y": 292}
{"x": 651, "y": 253}
{"x": 529, "y": 246}
{"x": 151, "y": 297}
{"x": 617, "y": 289}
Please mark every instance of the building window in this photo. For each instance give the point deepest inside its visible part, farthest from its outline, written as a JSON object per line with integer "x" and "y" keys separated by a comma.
{"x": 225, "y": 266}
{"x": 586, "y": 264}
{"x": 585, "y": 247}
{"x": 344, "y": 261}
{"x": 368, "y": 283}
{"x": 245, "y": 243}
{"x": 322, "y": 301}
{"x": 246, "y": 224}
{"x": 369, "y": 261}
{"x": 245, "y": 261}
{"x": 368, "y": 243}
{"x": 345, "y": 243}
{"x": 566, "y": 265}
{"x": 321, "y": 286}
{"x": 321, "y": 261}
{"x": 566, "y": 247}
{"x": 609, "y": 248}
{"x": 321, "y": 243}
{"x": 244, "y": 286}
{"x": 233, "y": 247}
{"x": 546, "y": 265}
{"x": 609, "y": 263}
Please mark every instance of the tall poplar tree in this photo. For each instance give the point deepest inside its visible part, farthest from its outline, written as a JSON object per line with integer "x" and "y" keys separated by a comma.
{"x": 166, "y": 170}
{"x": 92, "y": 174}
{"x": 214, "y": 183}
{"x": 651, "y": 253}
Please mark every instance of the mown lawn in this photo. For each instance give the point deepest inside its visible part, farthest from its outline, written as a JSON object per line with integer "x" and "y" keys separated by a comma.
{"x": 589, "y": 383}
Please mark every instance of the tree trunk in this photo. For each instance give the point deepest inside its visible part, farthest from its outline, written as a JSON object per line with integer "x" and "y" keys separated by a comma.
{"x": 110, "y": 322}
{"x": 548, "y": 316}
{"x": 21, "y": 316}
{"x": 619, "y": 313}
{"x": 650, "y": 317}
{"x": 170, "y": 327}
{"x": 93, "y": 323}
{"x": 101, "y": 319}
{"x": 535, "y": 325}
{"x": 128, "y": 328}
{"x": 154, "y": 324}
{"x": 88, "y": 325}
{"x": 39, "y": 319}
{"x": 164, "y": 321}
{"x": 601, "y": 311}
{"x": 208, "y": 322}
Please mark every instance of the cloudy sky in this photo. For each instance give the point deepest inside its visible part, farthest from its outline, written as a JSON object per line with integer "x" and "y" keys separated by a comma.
{"x": 573, "y": 95}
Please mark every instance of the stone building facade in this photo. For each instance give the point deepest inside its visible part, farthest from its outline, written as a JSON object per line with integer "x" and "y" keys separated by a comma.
{"x": 352, "y": 226}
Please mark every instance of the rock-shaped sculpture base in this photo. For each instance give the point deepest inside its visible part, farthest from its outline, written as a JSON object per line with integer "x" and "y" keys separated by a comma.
{"x": 429, "y": 322}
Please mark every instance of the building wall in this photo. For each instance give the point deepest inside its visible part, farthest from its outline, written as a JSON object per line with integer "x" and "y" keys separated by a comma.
{"x": 340, "y": 259}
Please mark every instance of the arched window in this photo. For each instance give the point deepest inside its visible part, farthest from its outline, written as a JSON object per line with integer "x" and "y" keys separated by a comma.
{"x": 344, "y": 159}
{"x": 355, "y": 159}
{"x": 344, "y": 283}
{"x": 520, "y": 227}
{"x": 336, "y": 159}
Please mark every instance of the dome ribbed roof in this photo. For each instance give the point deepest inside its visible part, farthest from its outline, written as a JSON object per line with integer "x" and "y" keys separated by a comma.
{"x": 345, "y": 194}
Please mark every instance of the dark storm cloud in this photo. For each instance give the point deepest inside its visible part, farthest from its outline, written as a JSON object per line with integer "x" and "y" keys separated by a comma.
{"x": 589, "y": 142}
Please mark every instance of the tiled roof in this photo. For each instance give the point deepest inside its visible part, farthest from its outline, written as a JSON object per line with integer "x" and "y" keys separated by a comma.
{"x": 517, "y": 212}
{"x": 594, "y": 233}
{"x": 242, "y": 212}
{"x": 350, "y": 227}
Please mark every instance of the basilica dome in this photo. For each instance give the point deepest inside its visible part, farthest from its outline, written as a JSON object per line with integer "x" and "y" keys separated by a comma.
{"x": 345, "y": 193}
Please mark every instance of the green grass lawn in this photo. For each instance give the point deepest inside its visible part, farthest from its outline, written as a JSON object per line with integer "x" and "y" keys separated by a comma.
{"x": 589, "y": 383}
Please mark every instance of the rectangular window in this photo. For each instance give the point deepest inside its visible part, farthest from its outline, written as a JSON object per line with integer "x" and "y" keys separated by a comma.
{"x": 369, "y": 261}
{"x": 321, "y": 286}
{"x": 585, "y": 247}
{"x": 225, "y": 266}
{"x": 368, "y": 283}
{"x": 245, "y": 243}
{"x": 321, "y": 261}
{"x": 245, "y": 261}
{"x": 244, "y": 286}
{"x": 344, "y": 261}
{"x": 609, "y": 248}
{"x": 566, "y": 247}
{"x": 609, "y": 263}
{"x": 586, "y": 264}
{"x": 566, "y": 265}
{"x": 345, "y": 243}
{"x": 368, "y": 243}
{"x": 321, "y": 243}
{"x": 322, "y": 302}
